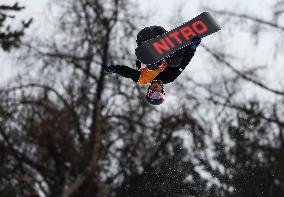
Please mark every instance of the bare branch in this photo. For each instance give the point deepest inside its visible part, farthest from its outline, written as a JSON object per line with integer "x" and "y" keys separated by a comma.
{"x": 245, "y": 16}
{"x": 221, "y": 59}
{"x": 64, "y": 101}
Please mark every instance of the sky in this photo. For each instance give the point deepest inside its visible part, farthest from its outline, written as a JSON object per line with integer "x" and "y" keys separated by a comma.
{"x": 163, "y": 12}
{"x": 34, "y": 9}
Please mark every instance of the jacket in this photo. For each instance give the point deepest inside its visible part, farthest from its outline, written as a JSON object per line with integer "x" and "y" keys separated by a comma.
{"x": 178, "y": 62}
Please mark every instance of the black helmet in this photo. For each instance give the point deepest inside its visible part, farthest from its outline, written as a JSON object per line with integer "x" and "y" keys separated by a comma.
{"x": 148, "y": 33}
{"x": 154, "y": 97}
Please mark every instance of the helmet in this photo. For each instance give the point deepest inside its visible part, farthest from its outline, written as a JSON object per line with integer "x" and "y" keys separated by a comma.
{"x": 154, "y": 97}
{"x": 149, "y": 33}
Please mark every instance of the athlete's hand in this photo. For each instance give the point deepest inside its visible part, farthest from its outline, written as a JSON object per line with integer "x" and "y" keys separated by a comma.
{"x": 108, "y": 68}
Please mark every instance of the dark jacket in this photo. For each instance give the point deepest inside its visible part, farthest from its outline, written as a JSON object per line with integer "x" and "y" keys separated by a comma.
{"x": 181, "y": 59}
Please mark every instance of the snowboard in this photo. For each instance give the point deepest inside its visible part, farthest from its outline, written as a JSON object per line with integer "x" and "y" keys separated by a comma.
{"x": 162, "y": 46}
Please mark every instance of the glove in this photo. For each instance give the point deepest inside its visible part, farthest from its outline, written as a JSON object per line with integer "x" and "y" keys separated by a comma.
{"x": 108, "y": 68}
{"x": 194, "y": 43}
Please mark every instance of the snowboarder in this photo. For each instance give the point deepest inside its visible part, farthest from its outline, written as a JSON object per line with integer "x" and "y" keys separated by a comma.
{"x": 160, "y": 73}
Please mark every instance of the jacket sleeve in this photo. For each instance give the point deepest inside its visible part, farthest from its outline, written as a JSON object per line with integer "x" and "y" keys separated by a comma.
{"x": 182, "y": 59}
{"x": 188, "y": 55}
{"x": 127, "y": 72}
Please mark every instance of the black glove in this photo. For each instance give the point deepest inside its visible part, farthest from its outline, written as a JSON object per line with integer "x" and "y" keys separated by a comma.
{"x": 109, "y": 68}
{"x": 195, "y": 43}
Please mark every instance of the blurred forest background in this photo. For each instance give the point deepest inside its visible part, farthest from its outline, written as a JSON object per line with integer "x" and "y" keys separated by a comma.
{"x": 67, "y": 129}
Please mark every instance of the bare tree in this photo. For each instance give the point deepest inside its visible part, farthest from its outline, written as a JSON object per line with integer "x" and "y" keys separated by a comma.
{"x": 67, "y": 129}
{"x": 248, "y": 149}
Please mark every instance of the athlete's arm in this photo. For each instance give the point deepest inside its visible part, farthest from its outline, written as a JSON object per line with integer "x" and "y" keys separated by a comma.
{"x": 127, "y": 72}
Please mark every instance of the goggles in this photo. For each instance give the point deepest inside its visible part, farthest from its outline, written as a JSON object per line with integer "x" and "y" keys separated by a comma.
{"x": 153, "y": 94}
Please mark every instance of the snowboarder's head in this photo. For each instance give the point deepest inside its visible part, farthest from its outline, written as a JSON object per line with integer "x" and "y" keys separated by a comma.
{"x": 148, "y": 33}
{"x": 156, "y": 94}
